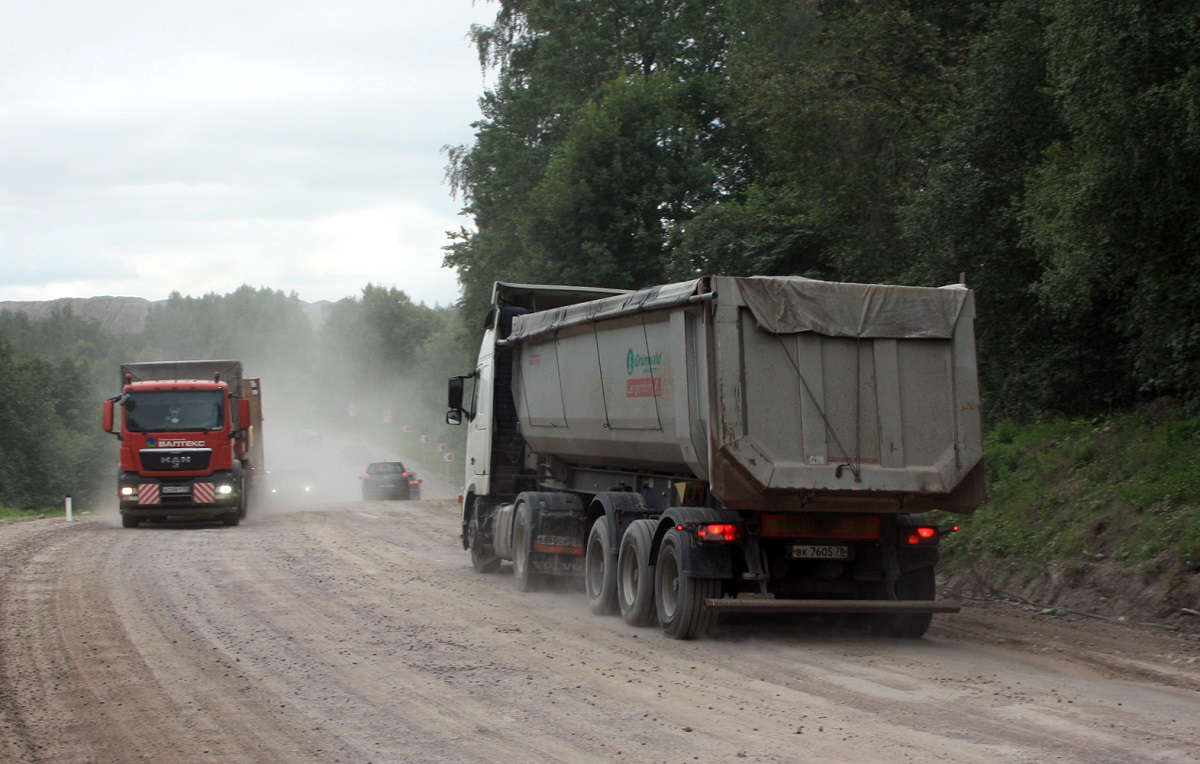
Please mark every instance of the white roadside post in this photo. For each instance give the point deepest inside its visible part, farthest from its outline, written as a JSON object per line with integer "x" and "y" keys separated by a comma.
{"x": 70, "y": 513}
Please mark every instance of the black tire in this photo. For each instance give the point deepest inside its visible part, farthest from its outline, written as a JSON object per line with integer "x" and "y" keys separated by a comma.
{"x": 128, "y": 521}
{"x": 679, "y": 598}
{"x": 522, "y": 545}
{"x": 483, "y": 556}
{"x": 635, "y": 576}
{"x": 919, "y": 584}
{"x": 232, "y": 519}
{"x": 600, "y": 569}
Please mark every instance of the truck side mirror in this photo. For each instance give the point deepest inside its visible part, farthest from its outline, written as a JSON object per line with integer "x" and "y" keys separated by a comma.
{"x": 456, "y": 395}
{"x": 108, "y": 416}
{"x": 243, "y": 412}
{"x": 454, "y": 416}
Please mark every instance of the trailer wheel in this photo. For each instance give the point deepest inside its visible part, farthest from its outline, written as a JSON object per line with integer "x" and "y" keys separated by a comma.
{"x": 522, "y": 543}
{"x": 635, "y": 576}
{"x": 919, "y": 584}
{"x": 679, "y": 597}
{"x": 600, "y": 570}
{"x": 129, "y": 521}
{"x": 483, "y": 559}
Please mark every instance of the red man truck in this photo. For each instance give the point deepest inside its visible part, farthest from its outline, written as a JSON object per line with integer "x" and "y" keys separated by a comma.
{"x": 191, "y": 440}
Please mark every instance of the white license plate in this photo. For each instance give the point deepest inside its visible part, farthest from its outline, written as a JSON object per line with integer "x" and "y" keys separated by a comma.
{"x": 819, "y": 552}
{"x": 176, "y": 489}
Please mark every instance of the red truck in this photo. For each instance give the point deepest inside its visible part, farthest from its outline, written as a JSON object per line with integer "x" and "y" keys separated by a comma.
{"x": 191, "y": 440}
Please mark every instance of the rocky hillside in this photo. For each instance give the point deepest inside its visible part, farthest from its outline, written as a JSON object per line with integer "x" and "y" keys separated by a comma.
{"x": 123, "y": 315}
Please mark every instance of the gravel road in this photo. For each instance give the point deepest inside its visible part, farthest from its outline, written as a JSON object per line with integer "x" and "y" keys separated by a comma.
{"x": 359, "y": 632}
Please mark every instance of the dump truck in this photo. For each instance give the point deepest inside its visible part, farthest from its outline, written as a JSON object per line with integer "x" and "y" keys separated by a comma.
{"x": 191, "y": 445}
{"x": 724, "y": 445}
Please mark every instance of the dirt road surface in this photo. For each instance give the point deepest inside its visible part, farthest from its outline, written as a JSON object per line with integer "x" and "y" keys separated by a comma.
{"x": 360, "y": 633}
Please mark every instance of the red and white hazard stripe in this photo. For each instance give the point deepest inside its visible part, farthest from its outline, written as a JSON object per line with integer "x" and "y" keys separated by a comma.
{"x": 148, "y": 493}
{"x": 203, "y": 493}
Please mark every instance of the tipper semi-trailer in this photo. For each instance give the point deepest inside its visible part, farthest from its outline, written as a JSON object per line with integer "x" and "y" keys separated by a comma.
{"x": 761, "y": 444}
{"x": 190, "y": 437}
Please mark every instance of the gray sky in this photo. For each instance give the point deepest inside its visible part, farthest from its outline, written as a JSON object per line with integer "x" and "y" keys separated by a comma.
{"x": 149, "y": 146}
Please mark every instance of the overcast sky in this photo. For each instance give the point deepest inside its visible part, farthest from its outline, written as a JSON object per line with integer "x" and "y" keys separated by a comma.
{"x": 151, "y": 146}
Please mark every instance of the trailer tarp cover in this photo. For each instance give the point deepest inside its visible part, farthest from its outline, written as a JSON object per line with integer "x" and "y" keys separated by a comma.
{"x": 787, "y": 305}
{"x": 652, "y": 298}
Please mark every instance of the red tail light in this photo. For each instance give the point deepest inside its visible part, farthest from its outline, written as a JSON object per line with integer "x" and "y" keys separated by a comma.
{"x": 719, "y": 532}
{"x": 922, "y": 535}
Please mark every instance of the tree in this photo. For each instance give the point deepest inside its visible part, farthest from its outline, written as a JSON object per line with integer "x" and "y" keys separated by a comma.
{"x": 602, "y": 134}
{"x": 1113, "y": 209}
{"x": 50, "y": 451}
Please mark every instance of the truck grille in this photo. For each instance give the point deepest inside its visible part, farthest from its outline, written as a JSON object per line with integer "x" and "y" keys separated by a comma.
{"x": 175, "y": 459}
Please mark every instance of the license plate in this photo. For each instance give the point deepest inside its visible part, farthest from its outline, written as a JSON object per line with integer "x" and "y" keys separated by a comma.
{"x": 819, "y": 552}
{"x": 176, "y": 489}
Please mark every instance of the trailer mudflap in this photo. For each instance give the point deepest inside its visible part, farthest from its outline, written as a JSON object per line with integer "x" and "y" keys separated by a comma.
{"x": 758, "y": 605}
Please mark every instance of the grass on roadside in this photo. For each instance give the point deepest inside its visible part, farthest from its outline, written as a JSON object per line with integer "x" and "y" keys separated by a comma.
{"x": 1124, "y": 488}
{"x": 11, "y": 515}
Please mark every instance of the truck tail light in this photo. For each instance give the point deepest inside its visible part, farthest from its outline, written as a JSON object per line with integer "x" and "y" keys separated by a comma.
{"x": 719, "y": 532}
{"x": 920, "y": 535}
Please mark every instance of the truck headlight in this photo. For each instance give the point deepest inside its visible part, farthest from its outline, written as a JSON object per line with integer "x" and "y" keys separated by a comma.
{"x": 128, "y": 490}
{"x": 225, "y": 489}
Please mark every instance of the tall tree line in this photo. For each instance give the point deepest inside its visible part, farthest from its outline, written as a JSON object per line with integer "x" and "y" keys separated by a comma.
{"x": 1047, "y": 149}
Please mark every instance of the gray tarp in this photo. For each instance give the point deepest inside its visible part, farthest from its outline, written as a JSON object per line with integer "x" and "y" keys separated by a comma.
{"x": 651, "y": 298}
{"x": 784, "y": 305}
{"x": 790, "y": 304}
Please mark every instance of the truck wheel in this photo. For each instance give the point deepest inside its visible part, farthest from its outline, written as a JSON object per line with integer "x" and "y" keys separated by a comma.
{"x": 599, "y": 569}
{"x": 232, "y": 519}
{"x": 128, "y": 521}
{"x": 678, "y": 597}
{"x": 483, "y": 558}
{"x": 522, "y": 549}
{"x": 635, "y": 577}
{"x": 919, "y": 584}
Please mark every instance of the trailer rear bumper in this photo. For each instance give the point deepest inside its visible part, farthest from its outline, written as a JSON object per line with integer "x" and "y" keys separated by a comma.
{"x": 756, "y": 605}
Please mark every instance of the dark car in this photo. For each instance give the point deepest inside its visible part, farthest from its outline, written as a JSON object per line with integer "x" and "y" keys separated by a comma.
{"x": 385, "y": 480}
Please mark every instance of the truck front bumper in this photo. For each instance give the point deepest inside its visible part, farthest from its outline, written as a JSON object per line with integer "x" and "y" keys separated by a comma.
{"x": 202, "y": 498}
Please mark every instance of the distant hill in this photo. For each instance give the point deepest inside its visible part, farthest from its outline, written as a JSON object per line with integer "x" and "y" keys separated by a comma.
{"x": 124, "y": 315}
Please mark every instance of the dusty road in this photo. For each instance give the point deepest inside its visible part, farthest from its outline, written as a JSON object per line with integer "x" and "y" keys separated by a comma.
{"x": 360, "y": 633}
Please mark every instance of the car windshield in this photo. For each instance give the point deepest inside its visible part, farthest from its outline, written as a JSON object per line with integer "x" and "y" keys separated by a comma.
{"x": 174, "y": 410}
{"x": 386, "y": 468}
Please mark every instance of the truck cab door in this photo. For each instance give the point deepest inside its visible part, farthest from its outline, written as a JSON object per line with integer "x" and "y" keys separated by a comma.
{"x": 479, "y": 436}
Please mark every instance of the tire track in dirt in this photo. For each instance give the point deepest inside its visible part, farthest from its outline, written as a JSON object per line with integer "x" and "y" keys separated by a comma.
{"x": 361, "y": 633}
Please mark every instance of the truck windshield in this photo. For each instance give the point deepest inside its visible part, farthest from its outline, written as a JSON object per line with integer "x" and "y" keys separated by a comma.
{"x": 174, "y": 411}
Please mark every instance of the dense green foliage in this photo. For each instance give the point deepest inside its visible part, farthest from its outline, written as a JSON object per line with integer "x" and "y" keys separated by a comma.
{"x": 1049, "y": 151}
